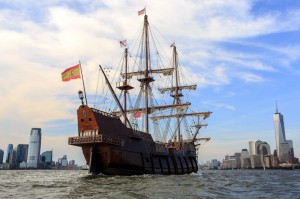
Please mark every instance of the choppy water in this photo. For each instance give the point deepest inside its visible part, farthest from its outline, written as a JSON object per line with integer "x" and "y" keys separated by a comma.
{"x": 205, "y": 184}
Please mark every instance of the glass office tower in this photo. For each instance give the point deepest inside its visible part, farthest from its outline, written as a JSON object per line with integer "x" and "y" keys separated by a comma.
{"x": 34, "y": 149}
{"x": 9, "y": 150}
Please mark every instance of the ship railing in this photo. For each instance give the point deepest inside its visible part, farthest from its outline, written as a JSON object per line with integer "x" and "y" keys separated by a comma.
{"x": 80, "y": 140}
{"x": 104, "y": 113}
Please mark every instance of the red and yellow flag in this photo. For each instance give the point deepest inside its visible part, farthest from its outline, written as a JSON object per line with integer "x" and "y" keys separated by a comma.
{"x": 71, "y": 73}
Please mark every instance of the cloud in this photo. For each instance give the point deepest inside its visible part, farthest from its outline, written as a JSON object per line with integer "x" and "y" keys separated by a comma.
{"x": 249, "y": 77}
{"x": 218, "y": 105}
{"x": 41, "y": 39}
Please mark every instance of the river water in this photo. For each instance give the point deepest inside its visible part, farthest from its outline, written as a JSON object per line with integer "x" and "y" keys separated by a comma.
{"x": 204, "y": 184}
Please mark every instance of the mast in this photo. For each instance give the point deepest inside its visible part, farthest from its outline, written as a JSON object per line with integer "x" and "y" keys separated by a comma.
{"x": 125, "y": 91}
{"x": 146, "y": 73}
{"x": 124, "y": 86}
{"x": 175, "y": 62}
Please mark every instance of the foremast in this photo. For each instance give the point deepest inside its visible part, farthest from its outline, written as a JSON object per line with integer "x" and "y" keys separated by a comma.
{"x": 125, "y": 87}
{"x": 176, "y": 93}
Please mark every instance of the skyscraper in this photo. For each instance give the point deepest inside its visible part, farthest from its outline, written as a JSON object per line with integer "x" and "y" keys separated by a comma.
{"x": 1, "y": 156}
{"x": 34, "y": 148}
{"x": 9, "y": 150}
{"x": 284, "y": 147}
{"x": 22, "y": 153}
{"x": 13, "y": 158}
{"x": 252, "y": 147}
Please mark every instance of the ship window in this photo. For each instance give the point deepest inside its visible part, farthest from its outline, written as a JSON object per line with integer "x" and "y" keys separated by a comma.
{"x": 90, "y": 119}
{"x": 81, "y": 120}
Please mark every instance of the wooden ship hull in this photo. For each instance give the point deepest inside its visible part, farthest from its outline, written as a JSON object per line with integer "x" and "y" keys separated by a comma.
{"x": 111, "y": 148}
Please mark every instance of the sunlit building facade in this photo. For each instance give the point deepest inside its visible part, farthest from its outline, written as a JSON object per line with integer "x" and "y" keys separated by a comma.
{"x": 279, "y": 134}
{"x": 245, "y": 159}
{"x": 285, "y": 150}
{"x": 34, "y": 148}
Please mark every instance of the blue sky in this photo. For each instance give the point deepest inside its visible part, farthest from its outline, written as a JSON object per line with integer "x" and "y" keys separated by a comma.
{"x": 244, "y": 56}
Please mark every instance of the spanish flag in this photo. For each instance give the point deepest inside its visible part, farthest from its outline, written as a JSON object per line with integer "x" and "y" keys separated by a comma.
{"x": 71, "y": 73}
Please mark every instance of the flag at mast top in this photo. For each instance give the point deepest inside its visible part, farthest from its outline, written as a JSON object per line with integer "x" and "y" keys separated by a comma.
{"x": 142, "y": 12}
{"x": 123, "y": 43}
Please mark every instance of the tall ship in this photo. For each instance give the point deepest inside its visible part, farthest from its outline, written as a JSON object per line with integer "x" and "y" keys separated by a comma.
{"x": 144, "y": 136}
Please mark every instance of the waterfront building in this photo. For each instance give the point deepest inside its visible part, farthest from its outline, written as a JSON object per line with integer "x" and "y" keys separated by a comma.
{"x": 23, "y": 165}
{"x": 291, "y": 155}
{"x": 34, "y": 148}
{"x": 285, "y": 150}
{"x": 255, "y": 161}
{"x": 72, "y": 162}
{"x": 214, "y": 164}
{"x": 246, "y": 163}
{"x": 9, "y": 149}
{"x": 13, "y": 158}
{"x": 47, "y": 157}
{"x": 225, "y": 162}
{"x": 263, "y": 148}
{"x": 232, "y": 162}
{"x": 63, "y": 162}
{"x": 1, "y": 156}
{"x": 252, "y": 147}
{"x": 238, "y": 160}
{"x": 245, "y": 157}
{"x": 268, "y": 161}
{"x": 258, "y": 149}
{"x": 22, "y": 153}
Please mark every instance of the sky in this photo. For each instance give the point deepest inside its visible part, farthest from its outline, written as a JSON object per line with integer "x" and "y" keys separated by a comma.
{"x": 243, "y": 55}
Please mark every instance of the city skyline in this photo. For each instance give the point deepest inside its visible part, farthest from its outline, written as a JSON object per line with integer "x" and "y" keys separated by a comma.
{"x": 244, "y": 56}
{"x": 29, "y": 156}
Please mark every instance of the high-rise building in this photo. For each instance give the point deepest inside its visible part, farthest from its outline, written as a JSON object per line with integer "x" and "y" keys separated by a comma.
{"x": 9, "y": 150}
{"x": 279, "y": 133}
{"x": 13, "y": 158}
{"x": 245, "y": 159}
{"x": 285, "y": 150}
{"x": 263, "y": 148}
{"x": 63, "y": 161}
{"x": 34, "y": 148}
{"x": 238, "y": 160}
{"x": 252, "y": 147}
{"x": 1, "y": 156}
{"x": 258, "y": 150}
{"x": 47, "y": 157}
{"x": 22, "y": 153}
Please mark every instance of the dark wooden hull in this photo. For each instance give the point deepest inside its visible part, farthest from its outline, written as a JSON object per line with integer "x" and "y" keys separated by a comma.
{"x": 111, "y": 148}
{"x": 112, "y": 161}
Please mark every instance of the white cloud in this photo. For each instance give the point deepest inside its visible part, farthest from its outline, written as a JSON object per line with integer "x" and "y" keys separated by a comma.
{"x": 249, "y": 77}
{"x": 39, "y": 43}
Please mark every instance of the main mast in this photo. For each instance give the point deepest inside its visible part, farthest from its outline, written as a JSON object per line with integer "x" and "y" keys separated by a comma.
{"x": 147, "y": 81}
{"x": 176, "y": 96}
